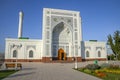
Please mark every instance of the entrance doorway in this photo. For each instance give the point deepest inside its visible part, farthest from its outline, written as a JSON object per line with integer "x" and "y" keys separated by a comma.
{"x": 61, "y": 54}
{"x": 62, "y": 57}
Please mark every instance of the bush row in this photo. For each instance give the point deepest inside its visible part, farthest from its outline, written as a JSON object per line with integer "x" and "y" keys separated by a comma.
{"x": 104, "y": 65}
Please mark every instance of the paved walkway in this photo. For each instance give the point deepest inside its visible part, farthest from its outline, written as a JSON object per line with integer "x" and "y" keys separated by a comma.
{"x": 50, "y": 71}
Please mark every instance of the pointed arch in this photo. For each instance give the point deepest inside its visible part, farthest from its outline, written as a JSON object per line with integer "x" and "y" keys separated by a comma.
{"x": 61, "y": 32}
{"x": 99, "y": 53}
{"x": 31, "y": 54}
{"x": 14, "y": 53}
{"x": 63, "y": 23}
{"x": 87, "y": 54}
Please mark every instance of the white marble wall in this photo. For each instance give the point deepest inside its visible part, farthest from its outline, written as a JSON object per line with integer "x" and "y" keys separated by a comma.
{"x": 57, "y": 19}
{"x": 23, "y": 46}
{"x": 94, "y": 49}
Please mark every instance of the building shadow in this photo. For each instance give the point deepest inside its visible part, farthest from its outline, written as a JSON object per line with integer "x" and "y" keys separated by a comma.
{"x": 21, "y": 74}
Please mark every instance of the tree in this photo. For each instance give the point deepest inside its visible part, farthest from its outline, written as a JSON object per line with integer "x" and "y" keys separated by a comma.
{"x": 111, "y": 57}
{"x": 114, "y": 42}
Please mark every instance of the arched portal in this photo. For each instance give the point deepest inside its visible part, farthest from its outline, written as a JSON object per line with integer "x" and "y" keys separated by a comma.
{"x": 61, "y": 37}
{"x": 61, "y": 54}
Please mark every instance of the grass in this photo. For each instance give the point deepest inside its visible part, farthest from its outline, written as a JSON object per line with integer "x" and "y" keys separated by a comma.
{"x": 112, "y": 76}
{"x": 6, "y": 73}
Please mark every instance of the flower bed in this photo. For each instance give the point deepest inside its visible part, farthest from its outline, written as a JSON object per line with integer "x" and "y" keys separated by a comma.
{"x": 104, "y": 71}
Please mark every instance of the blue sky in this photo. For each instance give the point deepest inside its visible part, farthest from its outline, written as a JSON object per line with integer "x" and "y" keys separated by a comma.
{"x": 99, "y": 17}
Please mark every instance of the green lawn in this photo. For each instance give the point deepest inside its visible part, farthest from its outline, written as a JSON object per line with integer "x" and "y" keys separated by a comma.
{"x": 6, "y": 73}
{"x": 112, "y": 76}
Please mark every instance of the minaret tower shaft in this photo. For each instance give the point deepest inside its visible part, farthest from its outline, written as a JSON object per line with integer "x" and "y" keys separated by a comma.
{"x": 20, "y": 24}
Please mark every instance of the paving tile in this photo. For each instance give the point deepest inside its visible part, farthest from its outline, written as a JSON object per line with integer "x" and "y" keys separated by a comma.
{"x": 50, "y": 71}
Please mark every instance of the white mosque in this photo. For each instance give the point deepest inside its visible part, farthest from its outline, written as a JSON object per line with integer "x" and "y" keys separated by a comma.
{"x": 61, "y": 41}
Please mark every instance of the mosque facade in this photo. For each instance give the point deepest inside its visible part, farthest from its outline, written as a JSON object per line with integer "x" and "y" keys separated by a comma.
{"x": 61, "y": 41}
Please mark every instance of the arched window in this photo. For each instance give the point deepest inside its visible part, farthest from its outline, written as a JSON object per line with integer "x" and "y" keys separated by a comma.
{"x": 15, "y": 53}
{"x": 30, "y": 53}
{"x": 99, "y": 54}
{"x": 87, "y": 54}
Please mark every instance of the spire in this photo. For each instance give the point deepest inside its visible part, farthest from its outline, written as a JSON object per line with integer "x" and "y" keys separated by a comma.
{"x": 20, "y": 24}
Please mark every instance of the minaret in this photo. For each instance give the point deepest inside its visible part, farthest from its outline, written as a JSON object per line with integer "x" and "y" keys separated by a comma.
{"x": 20, "y": 24}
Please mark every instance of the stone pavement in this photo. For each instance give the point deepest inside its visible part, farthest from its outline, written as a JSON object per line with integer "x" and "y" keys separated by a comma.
{"x": 50, "y": 71}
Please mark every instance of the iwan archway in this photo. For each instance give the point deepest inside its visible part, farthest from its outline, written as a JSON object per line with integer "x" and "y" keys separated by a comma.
{"x": 61, "y": 39}
{"x": 61, "y": 29}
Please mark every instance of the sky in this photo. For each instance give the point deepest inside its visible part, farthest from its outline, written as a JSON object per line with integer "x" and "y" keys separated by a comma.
{"x": 99, "y": 17}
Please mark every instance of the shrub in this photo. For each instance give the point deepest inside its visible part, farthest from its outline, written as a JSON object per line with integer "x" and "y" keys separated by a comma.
{"x": 114, "y": 66}
{"x": 105, "y": 65}
{"x": 93, "y": 66}
{"x": 81, "y": 69}
{"x": 87, "y": 71}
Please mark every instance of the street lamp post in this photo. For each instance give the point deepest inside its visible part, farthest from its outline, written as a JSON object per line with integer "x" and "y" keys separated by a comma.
{"x": 18, "y": 46}
{"x": 75, "y": 57}
{"x": 16, "y": 60}
{"x": 76, "y": 66}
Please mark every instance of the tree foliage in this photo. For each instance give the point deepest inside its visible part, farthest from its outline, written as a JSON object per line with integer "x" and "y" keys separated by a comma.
{"x": 114, "y": 42}
{"x": 111, "y": 57}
